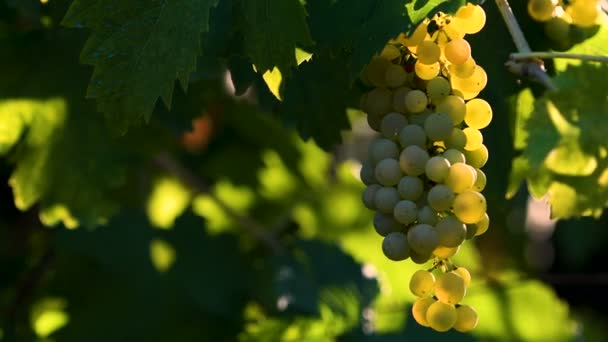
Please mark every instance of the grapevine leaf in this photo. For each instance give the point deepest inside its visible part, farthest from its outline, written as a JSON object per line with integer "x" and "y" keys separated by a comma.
{"x": 271, "y": 31}
{"x": 418, "y": 10}
{"x": 138, "y": 49}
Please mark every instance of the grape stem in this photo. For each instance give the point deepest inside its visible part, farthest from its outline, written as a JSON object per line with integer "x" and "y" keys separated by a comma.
{"x": 529, "y": 68}
{"x": 548, "y": 55}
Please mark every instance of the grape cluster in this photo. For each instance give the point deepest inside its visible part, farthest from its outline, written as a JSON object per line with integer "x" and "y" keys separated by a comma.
{"x": 423, "y": 174}
{"x": 566, "y": 22}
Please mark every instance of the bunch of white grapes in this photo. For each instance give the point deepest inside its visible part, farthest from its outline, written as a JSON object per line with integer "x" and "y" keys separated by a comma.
{"x": 423, "y": 175}
{"x": 566, "y": 22}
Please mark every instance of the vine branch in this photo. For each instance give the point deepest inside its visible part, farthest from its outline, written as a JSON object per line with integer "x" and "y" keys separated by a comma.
{"x": 166, "y": 163}
{"x": 548, "y": 55}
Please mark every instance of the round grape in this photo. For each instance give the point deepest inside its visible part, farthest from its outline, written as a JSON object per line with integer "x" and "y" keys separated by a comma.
{"x": 438, "y": 126}
{"x": 379, "y": 101}
{"x": 412, "y": 135}
{"x": 413, "y": 160}
{"x": 437, "y": 169}
{"x": 466, "y": 318}
{"x": 386, "y": 224}
{"x": 440, "y": 197}
{"x": 441, "y": 316}
{"x": 427, "y": 215}
{"x": 457, "y": 139}
{"x": 410, "y": 188}
{"x": 457, "y": 51}
{"x": 477, "y": 158}
{"x": 470, "y": 206}
{"x": 386, "y": 198}
{"x": 381, "y": 149}
{"x": 465, "y": 274}
{"x": 415, "y": 101}
{"x": 461, "y": 177}
{"x": 395, "y": 246}
{"x": 451, "y": 231}
{"x": 422, "y": 283}
{"x": 541, "y": 10}
{"x": 445, "y": 252}
{"x": 437, "y": 89}
{"x": 387, "y": 172}
{"x": 421, "y": 305}
{"x": 422, "y": 238}
{"x": 405, "y": 212}
{"x": 369, "y": 195}
{"x": 453, "y": 106}
{"x": 426, "y": 71}
{"x": 478, "y": 114}
{"x": 428, "y": 52}
{"x": 395, "y": 75}
{"x": 450, "y": 288}
{"x": 480, "y": 182}
{"x": 392, "y": 124}
{"x": 474, "y": 139}
{"x": 454, "y": 156}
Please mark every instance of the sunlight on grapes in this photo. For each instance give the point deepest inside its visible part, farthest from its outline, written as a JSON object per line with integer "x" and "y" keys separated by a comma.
{"x": 49, "y": 315}
{"x": 168, "y": 200}
{"x": 162, "y": 255}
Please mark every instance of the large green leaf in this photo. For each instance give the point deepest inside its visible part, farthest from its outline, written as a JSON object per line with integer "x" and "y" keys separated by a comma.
{"x": 138, "y": 49}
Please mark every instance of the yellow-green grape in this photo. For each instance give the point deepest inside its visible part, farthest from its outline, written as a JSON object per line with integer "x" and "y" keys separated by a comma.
{"x": 450, "y": 288}
{"x": 422, "y": 283}
{"x": 440, "y": 197}
{"x": 413, "y": 160}
{"x": 426, "y": 71}
{"x": 415, "y": 101}
{"x": 457, "y": 139}
{"x": 453, "y": 30}
{"x": 410, "y": 188}
{"x": 457, "y": 51}
{"x": 461, "y": 177}
{"x": 558, "y": 30}
{"x": 483, "y": 224}
{"x": 481, "y": 181}
{"x": 395, "y": 246}
{"x": 388, "y": 172}
{"x": 379, "y": 101}
{"x": 469, "y": 206}
{"x": 375, "y": 71}
{"x": 438, "y": 126}
{"x": 386, "y": 198}
{"x": 437, "y": 169}
{"x": 451, "y": 231}
{"x": 422, "y": 238}
{"x": 428, "y": 52}
{"x": 392, "y": 124}
{"x": 474, "y": 139}
{"x": 472, "y": 84}
{"x": 478, "y": 114}
{"x": 427, "y": 215}
{"x": 465, "y": 274}
{"x": 471, "y": 18}
{"x": 541, "y": 10}
{"x": 418, "y": 36}
{"x": 466, "y": 95}
{"x": 584, "y": 13}
{"x": 437, "y": 89}
{"x": 466, "y": 318}
{"x": 398, "y": 100}
{"x": 381, "y": 149}
{"x": 453, "y": 106}
{"x": 441, "y": 316}
{"x": 412, "y": 135}
{"x": 463, "y": 70}
{"x": 405, "y": 212}
{"x": 369, "y": 195}
{"x": 445, "y": 252}
{"x": 478, "y": 157}
{"x": 454, "y": 156}
{"x": 390, "y": 52}
{"x": 385, "y": 224}
{"x": 395, "y": 75}
{"x": 421, "y": 305}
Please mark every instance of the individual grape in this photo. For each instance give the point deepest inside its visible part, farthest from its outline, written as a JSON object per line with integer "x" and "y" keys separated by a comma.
{"x": 386, "y": 198}
{"x": 478, "y": 114}
{"x": 418, "y": 36}
{"x": 463, "y": 70}
{"x": 415, "y": 101}
{"x": 369, "y": 195}
{"x": 445, "y": 252}
{"x": 387, "y": 172}
{"x": 410, "y": 188}
{"x": 450, "y": 288}
{"x": 422, "y": 238}
{"x": 392, "y": 124}
{"x": 457, "y": 139}
{"x": 412, "y": 135}
{"x": 453, "y": 106}
{"x": 480, "y": 182}
{"x": 413, "y": 160}
{"x": 457, "y": 51}
{"x": 451, "y": 231}
{"x": 460, "y": 178}
{"x": 428, "y": 52}
{"x": 399, "y": 95}
{"x": 464, "y": 273}
{"x": 478, "y": 157}
{"x": 381, "y": 149}
{"x": 437, "y": 169}
{"x": 474, "y": 139}
{"x": 441, "y": 316}
{"x": 426, "y": 71}
{"x": 427, "y": 215}
{"x": 378, "y": 101}
{"x": 466, "y": 318}
{"x": 437, "y": 89}
{"x": 558, "y": 30}
{"x": 470, "y": 206}
{"x": 482, "y": 225}
{"x": 395, "y": 75}
{"x": 375, "y": 71}
{"x": 421, "y": 306}
{"x": 367, "y": 173}
{"x": 438, "y": 126}
{"x": 440, "y": 197}
{"x": 453, "y": 30}
{"x": 541, "y": 10}
{"x": 471, "y": 18}
{"x": 386, "y": 224}
{"x": 422, "y": 283}
{"x": 405, "y": 212}
{"x": 419, "y": 258}
{"x": 472, "y": 84}
{"x": 390, "y": 52}
{"x": 395, "y": 246}
{"x": 420, "y": 118}
{"x": 374, "y": 121}
{"x": 454, "y": 156}
{"x": 584, "y": 13}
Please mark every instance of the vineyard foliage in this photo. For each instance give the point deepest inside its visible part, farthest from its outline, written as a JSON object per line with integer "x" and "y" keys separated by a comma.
{"x": 188, "y": 171}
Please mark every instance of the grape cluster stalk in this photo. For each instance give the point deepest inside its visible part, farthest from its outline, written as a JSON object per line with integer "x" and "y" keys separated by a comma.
{"x": 423, "y": 173}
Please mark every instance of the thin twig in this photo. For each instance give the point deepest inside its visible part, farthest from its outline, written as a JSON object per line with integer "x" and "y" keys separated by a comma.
{"x": 513, "y": 26}
{"x": 549, "y": 55}
{"x": 165, "y": 162}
